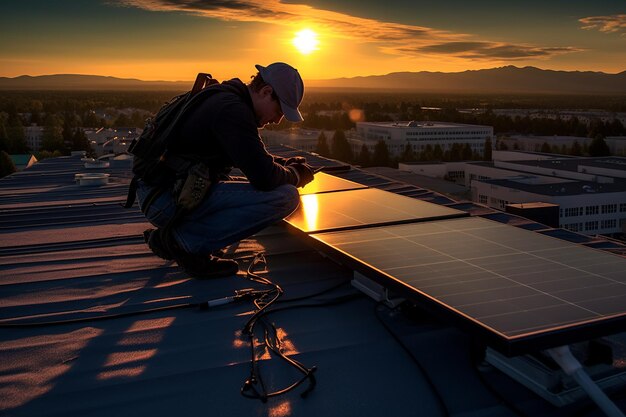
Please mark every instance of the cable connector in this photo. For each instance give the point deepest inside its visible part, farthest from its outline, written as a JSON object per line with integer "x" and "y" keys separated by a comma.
{"x": 217, "y": 302}
{"x": 243, "y": 294}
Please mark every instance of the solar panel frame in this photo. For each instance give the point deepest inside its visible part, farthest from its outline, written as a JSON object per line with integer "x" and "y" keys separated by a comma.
{"x": 509, "y": 344}
{"x": 324, "y": 183}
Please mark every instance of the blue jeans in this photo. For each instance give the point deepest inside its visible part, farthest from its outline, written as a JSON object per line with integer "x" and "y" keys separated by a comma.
{"x": 234, "y": 210}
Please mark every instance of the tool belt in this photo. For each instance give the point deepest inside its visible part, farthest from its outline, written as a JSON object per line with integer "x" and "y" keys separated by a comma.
{"x": 194, "y": 188}
{"x": 189, "y": 191}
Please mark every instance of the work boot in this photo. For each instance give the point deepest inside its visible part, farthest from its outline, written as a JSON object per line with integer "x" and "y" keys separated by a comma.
{"x": 207, "y": 266}
{"x": 199, "y": 266}
{"x": 156, "y": 243}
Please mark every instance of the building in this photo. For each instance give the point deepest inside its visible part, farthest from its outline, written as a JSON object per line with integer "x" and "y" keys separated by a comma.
{"x": 421, "y": 134}
{"x": 33, "y": 134}
{"x": 303, "y": 139}
{"x": 590, "y": 192}
{"x": 616, "y": 144}
{"x": 583, "y": 207}
{"x": 111, "y": 140}
{"x": 451, "y": 171}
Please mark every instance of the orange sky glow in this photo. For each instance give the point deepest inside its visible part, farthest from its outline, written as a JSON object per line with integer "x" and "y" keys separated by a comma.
{"x": 175, "y": 39}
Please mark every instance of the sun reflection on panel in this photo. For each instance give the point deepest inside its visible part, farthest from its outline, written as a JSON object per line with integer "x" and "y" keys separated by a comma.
{"x": 309, "y": 204}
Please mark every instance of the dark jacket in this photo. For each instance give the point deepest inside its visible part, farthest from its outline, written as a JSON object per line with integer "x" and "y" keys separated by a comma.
{"x": 223, "y": 131}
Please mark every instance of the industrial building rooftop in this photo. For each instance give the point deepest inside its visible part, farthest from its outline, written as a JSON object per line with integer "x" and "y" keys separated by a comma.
{"x": 93, "y": 324}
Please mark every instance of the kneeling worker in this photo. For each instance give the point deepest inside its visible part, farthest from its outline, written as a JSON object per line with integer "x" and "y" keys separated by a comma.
{"x": 222, "y": 131}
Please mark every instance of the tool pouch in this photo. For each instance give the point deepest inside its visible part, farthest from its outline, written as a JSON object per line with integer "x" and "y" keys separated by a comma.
{"x": 194, "y": 188}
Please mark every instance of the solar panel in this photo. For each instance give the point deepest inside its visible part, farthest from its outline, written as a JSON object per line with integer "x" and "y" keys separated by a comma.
{"x": 520, "y": 290}
{"x": 361, "y": 208}
{"x": 323, "y": 183}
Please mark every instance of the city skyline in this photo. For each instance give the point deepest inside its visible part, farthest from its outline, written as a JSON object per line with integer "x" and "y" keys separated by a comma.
{"x": 174, "y": 39}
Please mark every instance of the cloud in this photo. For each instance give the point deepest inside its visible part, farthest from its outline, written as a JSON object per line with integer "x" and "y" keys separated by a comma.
{"x": 491, "y": 50}
{"x": 391, "y": 38}
{"x": 609, "y": 24}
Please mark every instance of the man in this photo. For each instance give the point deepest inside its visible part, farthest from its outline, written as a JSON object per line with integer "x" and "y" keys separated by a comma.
{"x": 222, "y": 131}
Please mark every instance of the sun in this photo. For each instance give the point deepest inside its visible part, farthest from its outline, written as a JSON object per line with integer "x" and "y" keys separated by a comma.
{"x": 305, "y": 41}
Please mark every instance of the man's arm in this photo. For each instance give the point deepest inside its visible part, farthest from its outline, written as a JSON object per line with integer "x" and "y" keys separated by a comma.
{"x": 236, "y": 130}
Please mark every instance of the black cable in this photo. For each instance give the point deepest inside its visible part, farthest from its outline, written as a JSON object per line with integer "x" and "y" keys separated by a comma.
{"x": 10, "y": 324}
{"x": 322, "y": 292}
{"x": 425, "y": 374}
{"x": 255, "y": 378}
{"x": 19, "y": 325}
{"x": 263, "y": 299}
{"x": 333, "y": 301}
{"x": 254, "y": 386}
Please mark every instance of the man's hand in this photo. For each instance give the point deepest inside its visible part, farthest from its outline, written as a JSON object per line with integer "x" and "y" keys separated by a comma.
{"x": 295, "y": 160}
{"x": 304, "y": 173}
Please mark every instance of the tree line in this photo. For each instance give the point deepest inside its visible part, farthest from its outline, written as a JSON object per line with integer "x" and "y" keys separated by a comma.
{"x": 598, "y": 147}
{"x": 61, "y": 134}
{"x": 61, "y": 113}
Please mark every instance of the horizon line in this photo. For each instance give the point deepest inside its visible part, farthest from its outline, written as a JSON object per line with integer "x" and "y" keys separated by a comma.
{"x": 316, "y": 79}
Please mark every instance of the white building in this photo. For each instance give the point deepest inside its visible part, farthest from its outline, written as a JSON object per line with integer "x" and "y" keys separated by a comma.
{"x": 304, "y": 139}
{"x": 616, "y": 144}
{"x": 584, "y": 207}
{"x": 421, "y": 134}
{"x": 591, "y": 192}
{"x": 112, "y": 140}
{"x": 33, "y": 134}
{"x": 452, "y": 171}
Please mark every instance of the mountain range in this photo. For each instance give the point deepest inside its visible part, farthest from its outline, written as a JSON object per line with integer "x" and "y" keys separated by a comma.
{"x": 509, "y": 79}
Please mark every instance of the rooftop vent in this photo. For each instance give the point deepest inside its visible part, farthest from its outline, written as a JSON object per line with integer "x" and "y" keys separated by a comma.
{"x": 91, "y": 179}
{"x": 588, "y": 189}
{"x": 91, "y": 163}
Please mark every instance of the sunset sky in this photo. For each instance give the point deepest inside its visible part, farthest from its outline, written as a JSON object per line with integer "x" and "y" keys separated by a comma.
{"x": 175, "y": 39}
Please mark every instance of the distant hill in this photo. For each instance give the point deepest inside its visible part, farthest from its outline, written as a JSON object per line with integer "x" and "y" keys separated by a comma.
{"x": 508, "y": 79}
{"x": 87, "y": 82}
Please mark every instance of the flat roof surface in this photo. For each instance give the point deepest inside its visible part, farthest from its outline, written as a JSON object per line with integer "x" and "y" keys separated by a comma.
{"x": 572, "y": 164}
{"x": 422, "y": 124}
{"x": 93, "y": 324}
{"x": 567, "y": 188}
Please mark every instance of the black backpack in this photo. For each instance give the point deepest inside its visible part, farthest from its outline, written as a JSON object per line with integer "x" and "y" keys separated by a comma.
{"x": 150, "y": 149}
